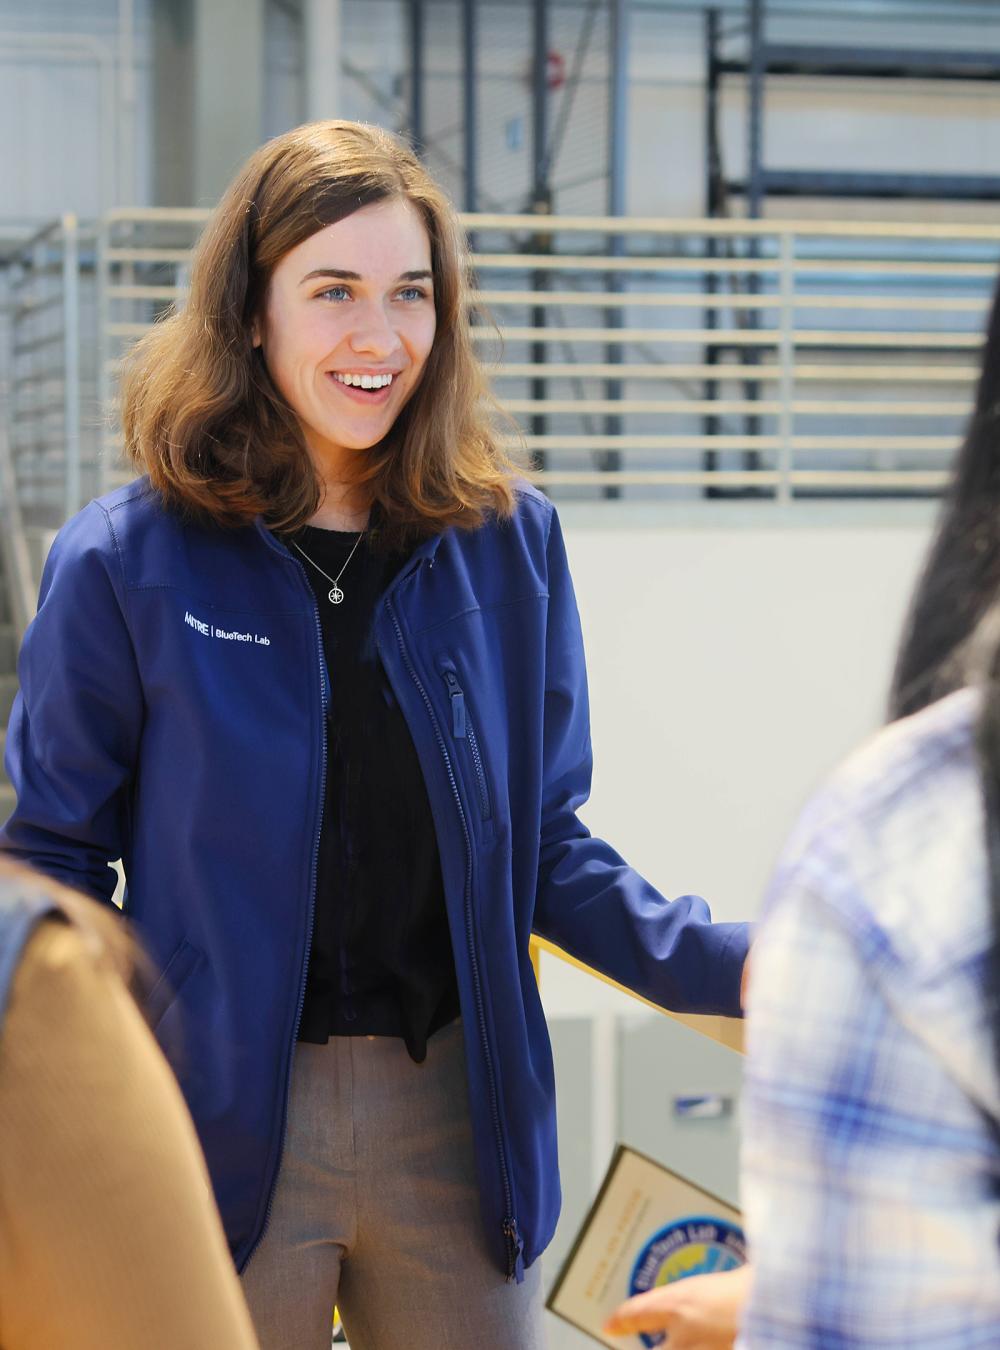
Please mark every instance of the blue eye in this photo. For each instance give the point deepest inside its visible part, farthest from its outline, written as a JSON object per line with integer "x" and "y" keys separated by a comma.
{"x": 412, "y": 293}
{"x": 335, "y": 293}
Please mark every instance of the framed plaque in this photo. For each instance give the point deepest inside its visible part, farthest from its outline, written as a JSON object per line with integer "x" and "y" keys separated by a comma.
{"x": 647, "y": 1227}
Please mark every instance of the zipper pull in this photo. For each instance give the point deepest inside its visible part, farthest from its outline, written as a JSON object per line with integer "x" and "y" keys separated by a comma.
{"x": 457, "y": 702}
{"x": 515, "y": 1251}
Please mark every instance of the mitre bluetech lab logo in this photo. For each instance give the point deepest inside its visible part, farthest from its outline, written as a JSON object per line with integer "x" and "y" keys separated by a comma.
{"x": 700, "y": 1245}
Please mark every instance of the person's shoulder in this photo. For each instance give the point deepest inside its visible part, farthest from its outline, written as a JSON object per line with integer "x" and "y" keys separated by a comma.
{"x": 526, "y": 525}
{"x": 137, "y": 509}
{"x": 145, "y": 540}
{"x": 531, "y": 517}
{"x": 532, "y": 500}
{"x": 921, "y": 758}
{"x": 100, "y": 525}
{"x": 897, "y": 828}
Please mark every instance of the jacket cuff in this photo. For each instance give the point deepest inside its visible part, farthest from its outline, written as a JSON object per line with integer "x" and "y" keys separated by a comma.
{"x": 726, "y": 948}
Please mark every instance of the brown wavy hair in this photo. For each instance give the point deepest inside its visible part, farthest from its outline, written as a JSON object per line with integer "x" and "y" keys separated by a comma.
{"x": 202, "y": 416}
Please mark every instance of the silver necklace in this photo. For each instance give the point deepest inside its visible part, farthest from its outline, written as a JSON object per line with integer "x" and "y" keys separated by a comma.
{"x": 335, "y": 595}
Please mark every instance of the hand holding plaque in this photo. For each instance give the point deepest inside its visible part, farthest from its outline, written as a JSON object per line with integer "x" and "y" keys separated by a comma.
{"x": 701, "y": 1312}
{"x": 675, "y": 1252}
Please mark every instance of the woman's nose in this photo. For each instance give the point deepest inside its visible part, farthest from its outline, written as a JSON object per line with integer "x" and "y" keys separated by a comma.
{"x": 374, "y": 333}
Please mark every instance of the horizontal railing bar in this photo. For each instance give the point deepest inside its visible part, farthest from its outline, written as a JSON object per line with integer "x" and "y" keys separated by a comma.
{"x": 800, "y": 444}
{"x": 718, "y": 227}
{"x": 121, "y": 253}
{"x": 39, "y": 476}
{"x": 624, "y": 407}
{"x": 116, "y": 292}
{"x": 51, "y": 450}
{"x": 675, "y": 477}
{"x": 894, "y": 267}
{"x": 733, "y": 337}
{"x": 564, "y": 262}
{"x": 731, "y": 406}
{"x": 599, "y": 370}
{"x": 564, "y": 370}
{"x": 860, "y": 478}
{"x": 26, "y": 307}
{"x": 719, "y": 300}
{"x": 21, "y": 414}
{"x": 42, "y": 377}
{"x": 923, "y": 478}
{"x": 30, "y": 280}
{"x": 195, "y": 215}
{"x": 41, "y": 235}
{"x": 37, "y": 344}
{"x": 135, "y": 330}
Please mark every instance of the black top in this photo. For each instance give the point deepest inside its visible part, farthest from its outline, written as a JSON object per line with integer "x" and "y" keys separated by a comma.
{"x": 381, "y": 960}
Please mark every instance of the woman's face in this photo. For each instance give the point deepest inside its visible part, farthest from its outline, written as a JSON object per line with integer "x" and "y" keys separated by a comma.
{"x": 348, "y": 325}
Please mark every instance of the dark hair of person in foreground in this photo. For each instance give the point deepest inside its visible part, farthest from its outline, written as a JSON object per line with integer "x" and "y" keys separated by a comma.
{"x": 952, "y": 634}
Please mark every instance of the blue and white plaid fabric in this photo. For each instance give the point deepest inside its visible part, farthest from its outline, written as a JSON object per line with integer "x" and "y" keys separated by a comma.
{"x": 871, "y": 1155}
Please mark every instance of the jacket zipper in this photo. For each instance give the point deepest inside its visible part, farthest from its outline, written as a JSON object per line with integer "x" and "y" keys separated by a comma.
{"x": 463, "y": 730}
{"x": 508, "y": 1226}
{"x": 324, "y": 706}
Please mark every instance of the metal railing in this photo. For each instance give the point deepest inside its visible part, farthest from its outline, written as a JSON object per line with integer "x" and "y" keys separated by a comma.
{"x": 778, "y": 358}
{"x": 18, "y": 573}
{"x": 48, "y": 374}
{"x": 641, "y": 357}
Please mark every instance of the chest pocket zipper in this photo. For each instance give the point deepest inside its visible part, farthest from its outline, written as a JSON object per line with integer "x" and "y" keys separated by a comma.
{"x": 463, "y": 730}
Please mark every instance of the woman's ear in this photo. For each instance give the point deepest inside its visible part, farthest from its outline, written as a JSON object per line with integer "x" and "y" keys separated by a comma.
{"x": 255, "y": 336}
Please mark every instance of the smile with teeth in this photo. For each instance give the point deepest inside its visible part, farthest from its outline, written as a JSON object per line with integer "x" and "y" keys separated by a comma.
{"x": 363, "y": 381}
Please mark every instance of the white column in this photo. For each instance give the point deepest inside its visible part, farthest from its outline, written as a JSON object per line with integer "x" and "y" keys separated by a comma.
{"x": 321, "y": 36}
{"x": 228, "y": 90}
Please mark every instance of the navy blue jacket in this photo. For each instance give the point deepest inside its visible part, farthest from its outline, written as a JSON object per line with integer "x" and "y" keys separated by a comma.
{"x": 171, "y": 713}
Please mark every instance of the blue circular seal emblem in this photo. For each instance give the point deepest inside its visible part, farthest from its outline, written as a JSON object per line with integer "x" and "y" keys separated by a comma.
{"x": 700, "y": 1245}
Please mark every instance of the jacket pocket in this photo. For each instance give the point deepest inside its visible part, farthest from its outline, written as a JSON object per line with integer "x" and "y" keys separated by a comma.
{"x": 464, "y": 733}
{"x": 184, "y": 960}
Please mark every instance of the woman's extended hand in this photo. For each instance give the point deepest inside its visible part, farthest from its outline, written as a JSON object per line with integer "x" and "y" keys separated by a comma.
{"x": 701, "y": 1312}
{"x": 745, "y": 983}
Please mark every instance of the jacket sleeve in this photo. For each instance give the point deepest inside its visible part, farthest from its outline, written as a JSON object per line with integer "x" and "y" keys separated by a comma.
{"x": 74, "y": 731}
{"x": 589, "y": 901}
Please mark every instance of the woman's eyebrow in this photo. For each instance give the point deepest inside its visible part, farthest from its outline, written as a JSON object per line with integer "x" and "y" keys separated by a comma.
{"x": 341, "y": 275}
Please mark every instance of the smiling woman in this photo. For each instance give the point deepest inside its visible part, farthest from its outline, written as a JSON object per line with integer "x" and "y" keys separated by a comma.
{"x": 339, "y": 837}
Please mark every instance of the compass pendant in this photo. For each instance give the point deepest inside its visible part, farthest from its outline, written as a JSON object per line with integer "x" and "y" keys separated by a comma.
{"x": 335, "y": 596}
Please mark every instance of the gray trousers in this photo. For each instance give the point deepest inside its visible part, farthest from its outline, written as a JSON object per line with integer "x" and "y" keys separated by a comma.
{"x": 376, "y": 1210}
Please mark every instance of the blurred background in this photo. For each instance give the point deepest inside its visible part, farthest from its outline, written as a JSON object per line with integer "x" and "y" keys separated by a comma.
{"x": 739, "y": 254}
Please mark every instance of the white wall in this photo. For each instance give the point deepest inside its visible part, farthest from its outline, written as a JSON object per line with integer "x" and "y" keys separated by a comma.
{"x": 58, "y": 118}
{"x": 734, "y": 657}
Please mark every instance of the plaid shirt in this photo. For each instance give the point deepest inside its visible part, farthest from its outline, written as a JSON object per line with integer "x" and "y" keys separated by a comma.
{"x": 871, "y": 1155}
